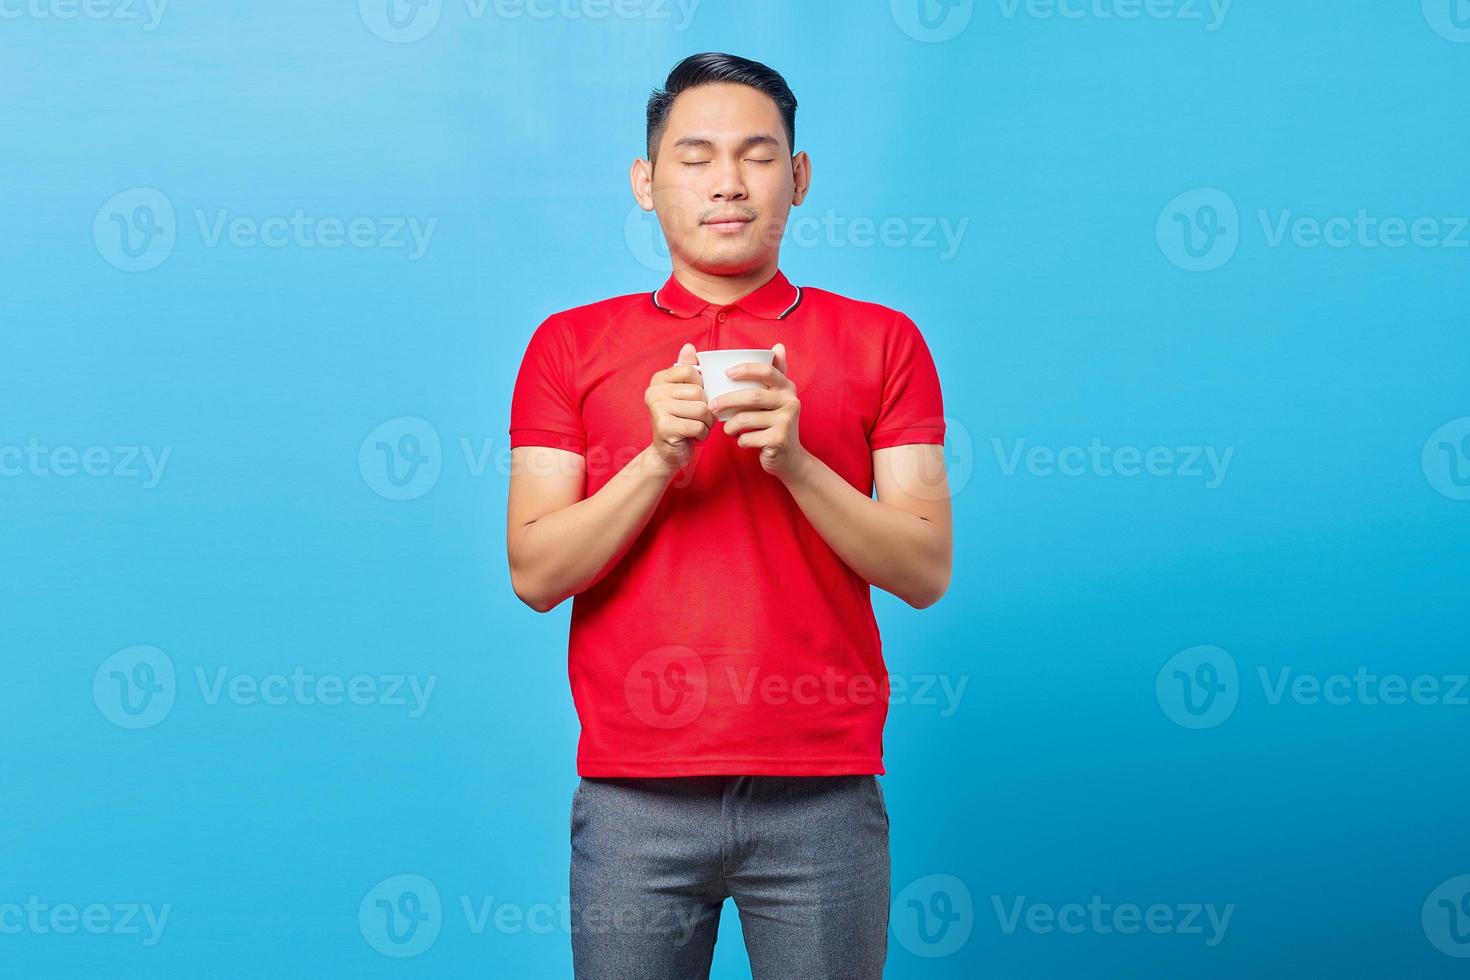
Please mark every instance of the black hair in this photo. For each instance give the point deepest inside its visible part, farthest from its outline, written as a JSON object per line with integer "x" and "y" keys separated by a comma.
{"x": 710, "y": 68}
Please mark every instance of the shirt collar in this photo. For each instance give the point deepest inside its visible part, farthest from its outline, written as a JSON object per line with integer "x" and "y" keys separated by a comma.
{"x": 773, "y": 301}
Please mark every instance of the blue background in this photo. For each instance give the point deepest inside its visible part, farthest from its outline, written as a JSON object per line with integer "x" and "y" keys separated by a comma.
{"x": 1071, "y": 148}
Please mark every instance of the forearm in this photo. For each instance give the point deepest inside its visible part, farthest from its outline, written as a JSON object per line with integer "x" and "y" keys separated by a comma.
{"x": 567, "y": 551}
{"x": 893, "y": 549}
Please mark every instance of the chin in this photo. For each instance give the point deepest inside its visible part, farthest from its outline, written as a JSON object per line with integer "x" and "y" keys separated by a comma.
{"x": 725, "y": 257}
{"x": 726, "y": 262}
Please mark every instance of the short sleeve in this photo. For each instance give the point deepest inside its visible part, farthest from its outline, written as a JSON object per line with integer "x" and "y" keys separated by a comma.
{"x": 911, "y": 409}
{"x": 545, "y": 408}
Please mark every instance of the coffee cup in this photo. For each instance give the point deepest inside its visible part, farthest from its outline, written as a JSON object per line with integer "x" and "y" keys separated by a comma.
{"x": 712, "y": 367}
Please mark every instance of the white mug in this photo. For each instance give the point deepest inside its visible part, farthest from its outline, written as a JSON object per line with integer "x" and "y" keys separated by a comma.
{"x": 712, "y": 367}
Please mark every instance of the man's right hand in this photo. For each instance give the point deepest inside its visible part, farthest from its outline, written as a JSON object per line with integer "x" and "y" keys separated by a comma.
{"x": 678, "y": 411}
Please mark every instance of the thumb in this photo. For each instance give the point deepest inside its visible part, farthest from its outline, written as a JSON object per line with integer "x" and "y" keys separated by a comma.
{"x": 686, "y": 354}
{"x": 779, "y": 360}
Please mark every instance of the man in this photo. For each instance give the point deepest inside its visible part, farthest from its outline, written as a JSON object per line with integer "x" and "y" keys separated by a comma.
{"x": 724, "y": 658}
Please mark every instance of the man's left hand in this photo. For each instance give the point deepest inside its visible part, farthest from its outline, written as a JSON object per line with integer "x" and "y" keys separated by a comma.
{"x": 766, "y": 418}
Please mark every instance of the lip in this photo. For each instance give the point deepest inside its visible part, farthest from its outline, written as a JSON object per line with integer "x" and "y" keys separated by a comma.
{"x": 728, "y": 226}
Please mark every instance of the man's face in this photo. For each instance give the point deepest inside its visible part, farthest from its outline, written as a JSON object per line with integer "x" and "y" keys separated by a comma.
{"x": 724, "y": 179}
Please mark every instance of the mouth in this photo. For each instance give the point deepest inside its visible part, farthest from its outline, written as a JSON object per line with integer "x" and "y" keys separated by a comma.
{"x": 727, "y": 224}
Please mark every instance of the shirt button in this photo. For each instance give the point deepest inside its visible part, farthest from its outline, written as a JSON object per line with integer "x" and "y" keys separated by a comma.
{"x": 723, "y": 317}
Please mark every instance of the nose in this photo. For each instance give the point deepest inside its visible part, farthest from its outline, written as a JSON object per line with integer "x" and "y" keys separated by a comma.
{"x": 728, "y": 185}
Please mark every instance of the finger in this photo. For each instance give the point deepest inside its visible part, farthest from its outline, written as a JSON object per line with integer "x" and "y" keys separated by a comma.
{"x": 686, "y": 408}
{"x": 680, "y": 373}
{"x": 758, "y": 398}
{"x": 686, "y": 428}
{"x": 780, "y": 358}
{"x": 681, "y": 391}
{"x": 756, "y": 438}
{"x": 766, "y": 374}
{"x": 749, "y": 421}
{"x": 686, "y": 354}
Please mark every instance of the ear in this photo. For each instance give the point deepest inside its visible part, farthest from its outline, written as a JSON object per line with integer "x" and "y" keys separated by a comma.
{"x": 641, "y": 179}
{"x": 801, "y": 173}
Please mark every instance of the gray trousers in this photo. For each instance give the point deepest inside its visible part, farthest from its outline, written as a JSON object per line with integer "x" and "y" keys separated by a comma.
{"x": 804, "y": 857}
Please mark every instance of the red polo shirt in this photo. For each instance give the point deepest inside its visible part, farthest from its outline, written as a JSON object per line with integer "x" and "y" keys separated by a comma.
{"x": 730, "y": 639}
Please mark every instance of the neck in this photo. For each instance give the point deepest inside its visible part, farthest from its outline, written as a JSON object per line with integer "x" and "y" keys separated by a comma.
{"x": 722, "y": 290}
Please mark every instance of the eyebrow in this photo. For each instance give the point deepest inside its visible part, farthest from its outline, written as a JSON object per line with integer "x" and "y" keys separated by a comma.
{"x": 704, "y": 143}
